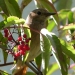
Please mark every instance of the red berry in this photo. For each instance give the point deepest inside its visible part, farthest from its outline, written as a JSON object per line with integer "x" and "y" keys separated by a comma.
{"x": 24, "y": 48}
{"x": 27, "y": 40}
{"x": 5, "y": 30}
{"x": 24, "y": 35}
{"x": 17, "y": 54}
{"x": 6, "y": 34}
{"x": 22, "y": 52}
{"x": 22, "y": 42}
{"x": 20, "y": 47}
{"x": 20, "y": 38}
{"x": 27, "y": 47}
{"x": 10, "y": 38}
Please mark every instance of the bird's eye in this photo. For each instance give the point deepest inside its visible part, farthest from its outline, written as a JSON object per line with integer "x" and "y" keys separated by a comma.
{"x": 39, "y": 13}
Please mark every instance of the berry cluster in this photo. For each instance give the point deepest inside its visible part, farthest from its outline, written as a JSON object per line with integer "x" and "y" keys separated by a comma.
{"x": 22, "y": 44}
{"x": 7, "y": 34}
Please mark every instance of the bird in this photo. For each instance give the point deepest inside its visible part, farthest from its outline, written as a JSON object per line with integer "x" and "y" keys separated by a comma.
{"x": 36, "y": 20}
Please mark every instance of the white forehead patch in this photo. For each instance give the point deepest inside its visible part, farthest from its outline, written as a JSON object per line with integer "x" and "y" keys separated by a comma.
{"x": 28, "y": 20}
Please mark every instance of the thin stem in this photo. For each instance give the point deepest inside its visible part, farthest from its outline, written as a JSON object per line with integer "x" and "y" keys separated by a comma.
{"x": 34, "y": 70}
{"x": 10, "y": 63}
{"x": 25, "y": 27}
{"x": 40, "y": 73}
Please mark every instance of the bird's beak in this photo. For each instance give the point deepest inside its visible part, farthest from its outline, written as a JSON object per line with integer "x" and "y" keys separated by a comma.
{"x": 48, "y": 14}
{"x": 52, "y": 13}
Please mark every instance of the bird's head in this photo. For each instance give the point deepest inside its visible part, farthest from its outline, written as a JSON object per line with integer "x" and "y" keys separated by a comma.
{"x": 37, "y": 18}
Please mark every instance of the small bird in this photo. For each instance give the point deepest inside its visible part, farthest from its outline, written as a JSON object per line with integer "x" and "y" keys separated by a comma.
{"x": 36, "y": 20}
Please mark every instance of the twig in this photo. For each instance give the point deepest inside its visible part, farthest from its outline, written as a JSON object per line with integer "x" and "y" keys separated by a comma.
{"x": 39, "y": 72}
{"x": 10, "y": 63}
{"x": 27, "y": 28}
{"x": 34, "y": 70}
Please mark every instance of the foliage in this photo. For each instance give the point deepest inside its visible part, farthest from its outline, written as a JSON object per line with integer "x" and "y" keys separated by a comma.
{"x": 61, "y": 46}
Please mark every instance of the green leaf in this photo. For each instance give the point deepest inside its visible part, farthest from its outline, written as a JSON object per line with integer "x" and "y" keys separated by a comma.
{"x": 10, "y": 21}
{"x": 10, "y": 18}
{"x": 64, "y": 4}
{"x": 38, "y": 60}
{"x": 3, "y": 46}
{"x": 51, "y": 25}
{"x": 66, "y": 14}
{"x": 1, "y": 37}
{"x": 60, "y": 55}
{"x": 4, "y": 73}
{"x": 16, "y": 7}
{"x": 30, "y": 73}
{"x": 68, "y": 49}
{"x": 52, "y": 68}
{"x": 70, "y": 18}
{"x": 11, "y": 8}
{"x": 14, "y": 20}
{"x": 3, "y": 6}
{"x": 2, "y": 24}
{"x": 5, "y": 55}
{"x": 58, "y": 49}
{"x": 46, "y": 53}
{"x": 20, "y": 21}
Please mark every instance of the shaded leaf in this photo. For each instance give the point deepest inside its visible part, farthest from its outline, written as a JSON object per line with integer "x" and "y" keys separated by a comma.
{"x": 2, "y": 24}
{"x": 10, "y": 8}
{"x": 16, "y": 7}
{"x": 4, "y": 73}
{"x": 57, "y": 46}
{"x": 46, "y": 53}
{"x": 68, "y": 49}
{"x": 71, "y": 18}
{"x": 30, "y": 73}
{"x": 38, "y": 60}
{"x": 5, "y": 55}
{"x": 51, "y": 25}
{"x": 3, "y": 6}
{"x": 65, "y": 14}
{"x": 60, "y": 55}
{"x": 52, "y": 68}
{"x": 3, "y": 46}
{"x": 64, "y": 4}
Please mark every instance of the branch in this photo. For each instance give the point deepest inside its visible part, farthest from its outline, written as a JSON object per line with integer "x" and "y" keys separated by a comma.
{"x": 31, "y": 67}
{"x": 10, "y": 63}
